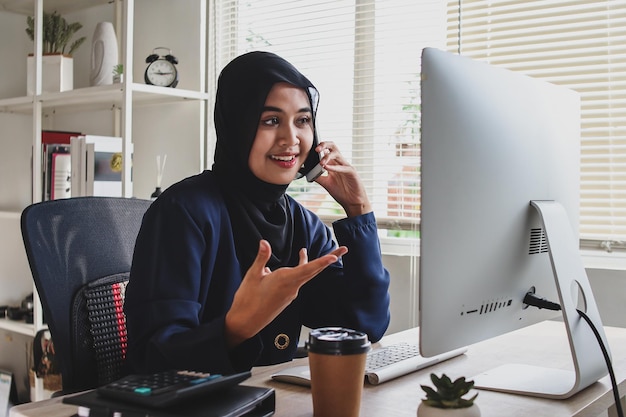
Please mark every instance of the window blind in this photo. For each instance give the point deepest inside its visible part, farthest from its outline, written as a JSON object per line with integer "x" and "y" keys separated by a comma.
{"x": 580, "y": 45}
{"x": 364, "y": 57}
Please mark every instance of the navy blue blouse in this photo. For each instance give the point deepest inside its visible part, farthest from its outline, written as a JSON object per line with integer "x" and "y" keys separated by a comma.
{"x": 185, "y": 273}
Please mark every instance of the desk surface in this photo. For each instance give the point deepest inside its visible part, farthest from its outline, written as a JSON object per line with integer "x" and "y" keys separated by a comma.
{"x": 544, "y": 344}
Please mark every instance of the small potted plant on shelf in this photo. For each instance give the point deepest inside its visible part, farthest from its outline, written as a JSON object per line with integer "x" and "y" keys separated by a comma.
{"x": 118, "y": 73}
{"x": 446, "y": 400}
{"x": 58, "y": 48}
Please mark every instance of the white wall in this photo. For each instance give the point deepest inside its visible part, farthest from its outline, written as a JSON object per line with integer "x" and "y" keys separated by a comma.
{"x": 15, "y": 278}
{"x": 608, "y": 286}
{"x": 15, "y": 161}
{"x": 15, "y": 357}
{"x": 609, "y": 290}
{"x": 402, "y": 297}
{"x": 14, "y": 50}
{"x": 15, "y": 284}
{"x": 165, "y": 129}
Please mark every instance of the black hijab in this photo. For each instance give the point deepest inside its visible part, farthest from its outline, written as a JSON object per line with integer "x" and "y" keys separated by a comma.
{"x": 258, "y": 210}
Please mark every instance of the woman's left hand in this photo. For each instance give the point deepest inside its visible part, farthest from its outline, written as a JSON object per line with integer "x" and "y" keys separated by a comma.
{"x": 342, "y": 181}
{"x": 264, "y": 294}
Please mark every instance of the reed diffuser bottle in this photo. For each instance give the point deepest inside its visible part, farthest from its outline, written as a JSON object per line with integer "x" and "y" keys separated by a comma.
{"x": 160, "y": 168}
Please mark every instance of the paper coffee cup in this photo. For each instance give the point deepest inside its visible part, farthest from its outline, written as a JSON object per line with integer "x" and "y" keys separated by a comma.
{"x": 337, "y": 362}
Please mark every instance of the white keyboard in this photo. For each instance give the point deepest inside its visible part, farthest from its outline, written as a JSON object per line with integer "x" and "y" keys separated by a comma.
{"x": 383, "y": 364}
{"x": 391, "y": 361}
{"x": 386, "y": 356}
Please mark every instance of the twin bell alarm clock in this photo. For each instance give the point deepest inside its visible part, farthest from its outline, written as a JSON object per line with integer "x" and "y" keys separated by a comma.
{"x": 161, "y": 70}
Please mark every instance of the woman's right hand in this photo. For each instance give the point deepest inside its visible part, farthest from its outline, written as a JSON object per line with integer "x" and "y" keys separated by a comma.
{"x": 342, "y": 181}
{"x": 263, "y": 293}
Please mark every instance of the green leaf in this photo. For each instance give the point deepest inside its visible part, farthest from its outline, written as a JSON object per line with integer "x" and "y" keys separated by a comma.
{"x": 448, "y": 394}
{"x": 56, "y": 33}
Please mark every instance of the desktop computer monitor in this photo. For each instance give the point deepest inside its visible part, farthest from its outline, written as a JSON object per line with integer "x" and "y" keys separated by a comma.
{"x": 499, "y": 217}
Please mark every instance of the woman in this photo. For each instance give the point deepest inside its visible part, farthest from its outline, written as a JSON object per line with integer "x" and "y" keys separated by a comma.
{"x": 227, "y": 267}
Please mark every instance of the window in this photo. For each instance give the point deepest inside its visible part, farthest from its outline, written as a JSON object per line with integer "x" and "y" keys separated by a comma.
{"x": 581, "y": 45}
{"x": 364, "y": 57}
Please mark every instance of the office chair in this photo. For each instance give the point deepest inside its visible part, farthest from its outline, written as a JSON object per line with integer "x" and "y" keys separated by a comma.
{"x": 80, "y": 251}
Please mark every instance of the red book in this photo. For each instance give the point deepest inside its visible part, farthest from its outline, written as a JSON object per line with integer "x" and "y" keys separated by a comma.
{"x": 57, "y": 136}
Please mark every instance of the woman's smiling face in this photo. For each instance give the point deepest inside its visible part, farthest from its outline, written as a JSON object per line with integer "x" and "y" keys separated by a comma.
{"x": 284, "y": 135}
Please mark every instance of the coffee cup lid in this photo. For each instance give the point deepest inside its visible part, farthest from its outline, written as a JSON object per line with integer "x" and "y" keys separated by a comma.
{"x": 337, "y": 341}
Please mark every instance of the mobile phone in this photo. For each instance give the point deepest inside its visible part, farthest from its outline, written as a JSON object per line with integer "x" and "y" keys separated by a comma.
{"x": 315, "y": 172}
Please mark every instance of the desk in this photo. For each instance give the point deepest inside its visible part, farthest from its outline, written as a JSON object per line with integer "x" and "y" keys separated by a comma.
{"x": 544, "y": 344}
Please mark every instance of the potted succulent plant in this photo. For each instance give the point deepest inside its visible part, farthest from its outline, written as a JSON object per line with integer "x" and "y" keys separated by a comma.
{"x": 118, "y": 73}
{"x": 446, "y": 400}
{"x": 58, "y": 47}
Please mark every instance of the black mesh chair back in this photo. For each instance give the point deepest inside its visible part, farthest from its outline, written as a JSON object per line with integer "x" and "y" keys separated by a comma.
{"x": 80, "y": 251}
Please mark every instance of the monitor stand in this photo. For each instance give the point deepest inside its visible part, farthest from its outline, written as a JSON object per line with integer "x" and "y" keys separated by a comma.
{"x": 571, "y": 280}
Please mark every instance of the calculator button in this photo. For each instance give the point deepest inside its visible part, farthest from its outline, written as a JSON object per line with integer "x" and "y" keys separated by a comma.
{"x": 143, "y": 391}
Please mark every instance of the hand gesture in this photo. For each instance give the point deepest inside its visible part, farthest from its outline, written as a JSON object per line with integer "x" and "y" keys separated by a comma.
{"x": 263, "y": 293}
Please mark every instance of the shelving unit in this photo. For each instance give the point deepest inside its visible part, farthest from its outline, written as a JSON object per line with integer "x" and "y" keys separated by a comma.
{"x": 151, "y": 120}
{"x": 17, "y": 327}
{"x": 99, "y": 97}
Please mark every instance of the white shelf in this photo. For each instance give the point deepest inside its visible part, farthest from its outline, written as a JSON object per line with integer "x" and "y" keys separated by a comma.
{"x": 99, "y": 97}
{"x": 26, "y": 7}
{"x": 150, "y": 93}
{"x": 17, "y": 326}
{"x": 16, "y": 105}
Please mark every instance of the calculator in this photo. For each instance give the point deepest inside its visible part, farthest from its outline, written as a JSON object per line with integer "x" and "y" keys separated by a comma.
{"x": 167, "y": 388}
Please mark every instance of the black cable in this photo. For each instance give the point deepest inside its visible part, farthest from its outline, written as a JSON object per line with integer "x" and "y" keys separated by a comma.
{"x": 531, "y": 299}
{"x": 607, "y": 358}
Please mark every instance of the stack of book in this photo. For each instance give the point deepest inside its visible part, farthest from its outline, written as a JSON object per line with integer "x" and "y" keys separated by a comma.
{"x": 81, "y": 165}
{"x": 56, "y": 164}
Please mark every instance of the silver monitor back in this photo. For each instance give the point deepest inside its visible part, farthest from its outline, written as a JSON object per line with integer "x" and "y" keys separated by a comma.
{"x": 493, "y": 141}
